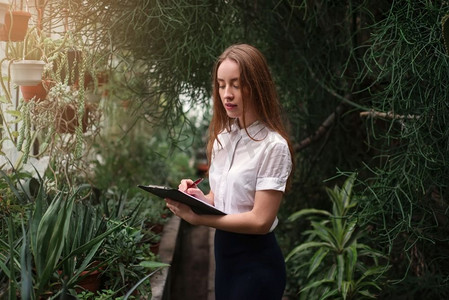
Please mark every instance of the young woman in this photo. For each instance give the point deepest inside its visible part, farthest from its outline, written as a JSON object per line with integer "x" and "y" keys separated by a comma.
{"x": 250, "y": 164}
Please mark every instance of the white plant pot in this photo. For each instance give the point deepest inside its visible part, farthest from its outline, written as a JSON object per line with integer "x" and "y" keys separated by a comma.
{"x": 27, "y": 72}
{"x": 4, "y": 8}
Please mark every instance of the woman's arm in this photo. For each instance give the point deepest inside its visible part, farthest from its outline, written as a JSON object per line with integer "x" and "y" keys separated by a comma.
{"x": 256, "y": 221}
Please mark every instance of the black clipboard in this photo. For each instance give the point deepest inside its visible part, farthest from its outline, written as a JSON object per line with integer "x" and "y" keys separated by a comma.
{"x": 198, "y": 206}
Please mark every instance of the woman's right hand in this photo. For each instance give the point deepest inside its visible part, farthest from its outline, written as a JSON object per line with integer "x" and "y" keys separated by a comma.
{"x": 189, "y": 187}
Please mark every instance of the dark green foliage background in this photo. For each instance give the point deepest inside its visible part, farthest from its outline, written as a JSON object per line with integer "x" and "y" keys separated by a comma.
{"x": 327, "y": 57}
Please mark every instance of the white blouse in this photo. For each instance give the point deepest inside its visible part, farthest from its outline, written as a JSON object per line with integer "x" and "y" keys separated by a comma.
{"x": 241, "y": 166}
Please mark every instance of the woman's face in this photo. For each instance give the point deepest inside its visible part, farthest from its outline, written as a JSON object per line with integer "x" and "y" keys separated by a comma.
{"x": 231, "y": 93}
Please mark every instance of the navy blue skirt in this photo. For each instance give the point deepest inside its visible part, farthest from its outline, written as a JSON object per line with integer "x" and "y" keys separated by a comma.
{"x": 248, "y": 267}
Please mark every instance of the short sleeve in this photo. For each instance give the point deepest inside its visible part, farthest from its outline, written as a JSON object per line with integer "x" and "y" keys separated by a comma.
{"x": 274, "y": 168}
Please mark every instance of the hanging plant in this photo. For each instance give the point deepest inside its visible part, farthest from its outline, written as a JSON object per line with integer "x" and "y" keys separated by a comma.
{"x": 27, "y": 64}
{"x": 60, "y": 113}
{"x": 25, "y": 133}
{"x": 67, "y": 109}
{"x": 27, "y": 72}
{"x": 15, "y": 27}
{"x": 54, "y": 113}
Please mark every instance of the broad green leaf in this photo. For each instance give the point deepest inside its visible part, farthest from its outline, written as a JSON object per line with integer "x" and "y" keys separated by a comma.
{"x": 330, "y": 294}
{"x": 332, "y": 272}
{"x": 367, "y": 294}
{"x": 326, "y": 234}
{"x": 346, "y": 191}
{"x": 345, "y": 289}
{"x": 91, "y": 243}
{"x": 26, "y": 267}
{"x": 317, "y": 259}
{"x": 368, "y": 284}
{"x": 315, "y": 284}
{"x": 51, "y": 236}
{"x": 121, "y": 268}
{"x": 130, "y": 292}
{"x": 351, "y": 261}
{"x": 350, "y": 233}
{"x": 340, "y": 270}
{"x": 305, "y": 246}
{"x": 308, "y": 211}
{"x": 5, "y": 269}
{"x": 14, "y": 113}
{"x": 374, "y": 271}
{"x": 153, "y": 264}
{"x": 3, "y": 99}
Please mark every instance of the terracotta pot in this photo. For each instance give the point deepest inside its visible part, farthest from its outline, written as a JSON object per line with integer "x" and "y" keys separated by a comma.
{"x": 154, "y": 247}
{"x": 67, "y": 120}
{"x": 36, "y": 92}
{"x": 17, "y": 31}
{"x": 155, "y": 228}
{"x": 90, "y": 282}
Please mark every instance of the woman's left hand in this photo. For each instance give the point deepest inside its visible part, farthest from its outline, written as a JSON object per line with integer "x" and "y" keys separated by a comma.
{"x": 181, "y": 210}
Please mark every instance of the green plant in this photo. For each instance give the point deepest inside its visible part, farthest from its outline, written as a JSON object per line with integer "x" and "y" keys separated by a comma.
{"x": 103, "y": 295}
{"x": 33, "y": 47}
{"x": 70, "y": 67}
{"x": 125, "y": 252}
{"x": 337, "y": 264}
{"x": 124, "y": 248}
{"x": 445, "y": 31}
{"x": 57, "y": 242}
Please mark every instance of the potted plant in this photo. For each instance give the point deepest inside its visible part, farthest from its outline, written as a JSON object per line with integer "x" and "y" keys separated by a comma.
{"x": 27, "y": 64}
{"x": 67, "y": 111}
{"x": 57, "y": 246}
{"x": 27, "y": 72}
{"x": 15, "y": 27}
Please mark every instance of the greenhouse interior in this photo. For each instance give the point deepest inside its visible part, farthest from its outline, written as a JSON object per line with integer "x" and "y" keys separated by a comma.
{"x": 100, "y": 97}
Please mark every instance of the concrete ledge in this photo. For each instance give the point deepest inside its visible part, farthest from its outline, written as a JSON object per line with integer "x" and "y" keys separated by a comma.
{"x": 160, "y": 282}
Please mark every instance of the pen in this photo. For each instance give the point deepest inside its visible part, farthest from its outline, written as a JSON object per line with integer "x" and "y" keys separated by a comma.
{"x": 198, "y": 181}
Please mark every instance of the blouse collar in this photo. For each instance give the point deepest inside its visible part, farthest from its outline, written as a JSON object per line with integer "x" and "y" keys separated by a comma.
{"x": 251, "y": 131}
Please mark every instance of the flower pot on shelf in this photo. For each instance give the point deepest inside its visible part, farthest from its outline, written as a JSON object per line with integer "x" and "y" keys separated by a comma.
{"x": 27, "y": 72}
{"x": 67, "y": 119}
{"x": 4, "y": 8}
{"x": 37, "y": 92}
{"x": 16, "y": 29}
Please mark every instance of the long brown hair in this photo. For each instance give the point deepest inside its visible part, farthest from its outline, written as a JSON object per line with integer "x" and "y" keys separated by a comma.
{"x": 260, "y": 94}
